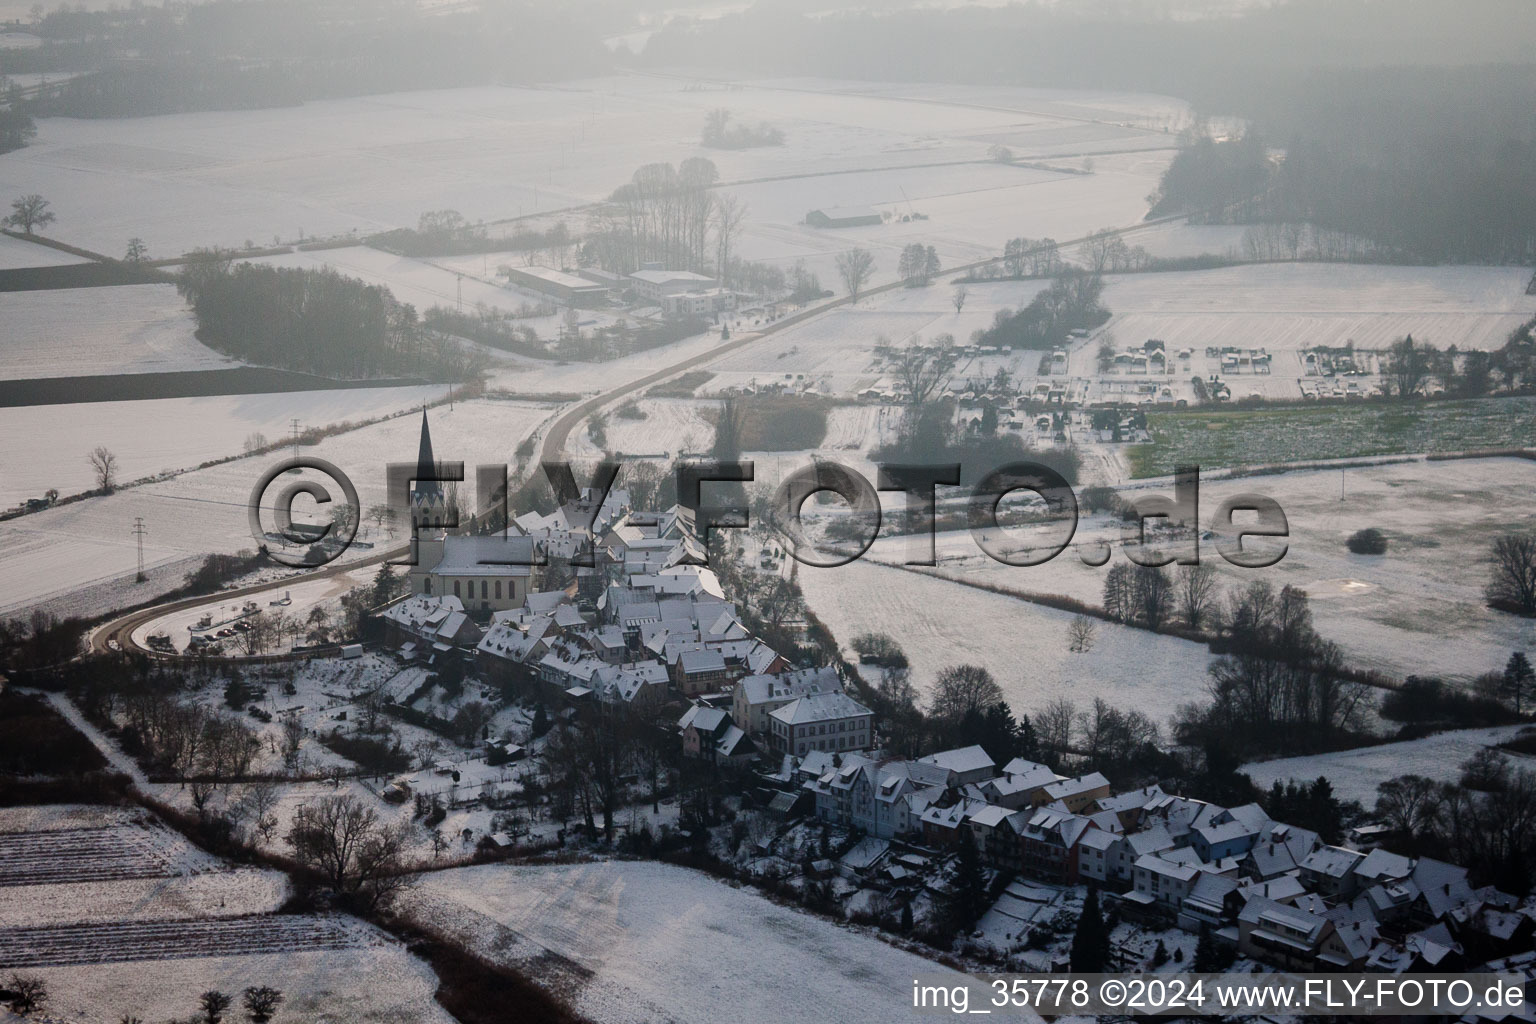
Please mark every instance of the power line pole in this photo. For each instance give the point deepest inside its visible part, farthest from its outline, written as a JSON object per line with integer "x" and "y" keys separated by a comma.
{"x": 138, "y": 532}
{"x": 295, "y": 430}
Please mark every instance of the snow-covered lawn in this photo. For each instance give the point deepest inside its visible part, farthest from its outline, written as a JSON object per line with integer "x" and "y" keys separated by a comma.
{"x": 80, "y": 331}
{"x": 666, "y": 943}
{"x": 1355, "y": 774}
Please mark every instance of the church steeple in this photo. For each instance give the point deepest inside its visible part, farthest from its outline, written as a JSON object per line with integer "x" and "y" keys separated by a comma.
{"x": 426, "y": 489}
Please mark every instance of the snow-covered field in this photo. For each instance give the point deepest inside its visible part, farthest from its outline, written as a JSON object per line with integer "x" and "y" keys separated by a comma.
{"x": 16, "y": 253}
{"x": 334, "y": 167}
{"x": 671, "y": 427}
{"x": 1286, "y": 308}
{"x": 204, "y": 511}
{"x": 1025, "y": 646}
{"x": 1418, "y": 609}
{"x": 666, "y": 943}
{"x": 48, "y": 446}
{"x": 132, "y": 920}
{"x": 79, "y": 331}
{"x": 371, "y": 984}
{"x": 1355, "y": 774}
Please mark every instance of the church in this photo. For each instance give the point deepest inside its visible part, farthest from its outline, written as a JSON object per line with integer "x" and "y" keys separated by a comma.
{"x": 488, "y": 573}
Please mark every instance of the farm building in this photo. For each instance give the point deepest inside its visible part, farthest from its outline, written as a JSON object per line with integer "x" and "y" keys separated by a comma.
{"x": 568, "y": 288}
{"x": 656, "y": 285}
{"x": 844, "y": 217}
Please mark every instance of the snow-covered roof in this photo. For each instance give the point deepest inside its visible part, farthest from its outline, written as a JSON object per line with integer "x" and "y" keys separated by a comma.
{"x": 485, "y": 556}
{"x": 819, "y": 707}
{"x": 961, "y": 760}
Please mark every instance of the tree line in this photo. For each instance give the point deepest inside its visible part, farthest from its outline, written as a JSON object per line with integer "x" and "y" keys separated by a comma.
{"x": 316, "y": 321}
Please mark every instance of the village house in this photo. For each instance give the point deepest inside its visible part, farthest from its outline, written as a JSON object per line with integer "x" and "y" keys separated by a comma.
{"x": 821, "y": 721}
{"x": 710, "y": 735}
{"x": 756, "y": 696}
{"x": 434, "y": 626}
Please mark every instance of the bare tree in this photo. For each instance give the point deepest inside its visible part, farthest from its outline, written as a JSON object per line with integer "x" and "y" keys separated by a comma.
{"x": 855, "y": 267}
{"x": 958, "y": 297}
{"x": 1408, "y": 804}
{"x": 1054, "y": 724}
{"x": 29, "y": 212}
{"x": 261, "y": 1003}
{"x": 29, "y": 993}
{"x": 293, "y": 736}
{"x": 960, "y": 689}
{"x": 1195, "y": 593}
{"x": 213, "y": 1004}
{"x": 359, "y": 856}
{"x": 104, "y": 464}
{"x": 1513, "y": 585}
{"x": 1408, "y": 367}
{"x": 729, "y": 212}
{"x": 921, "y": 370}
{"x": 1103, "y": 251}
{"x": 261, "y": 801}
{"x": 1080, "y": 634}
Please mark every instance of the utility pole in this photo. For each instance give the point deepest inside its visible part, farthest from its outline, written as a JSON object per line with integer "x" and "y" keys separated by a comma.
{"x": 295, "y": 430}
{"x": 138, "y": 532}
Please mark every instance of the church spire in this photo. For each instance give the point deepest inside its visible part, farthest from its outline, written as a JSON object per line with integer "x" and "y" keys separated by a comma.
{"x": 426, "y": 465}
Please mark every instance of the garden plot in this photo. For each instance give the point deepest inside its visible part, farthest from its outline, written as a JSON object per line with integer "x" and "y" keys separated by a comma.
{"x": 117, "y": 942}
{"x": 72, "y": 546}
{"x": 1267, "y": 437}
{"x": 940, "y": 623}
{"x": 344, "y": 974}
{"x": 17, "y": 253}
{"x": 222, "y": 893}
{"x": 644, "y": 929}
{"x": 1355, "y": 774}
{"x": 90, "y": 855}
{"x": 82, "y": 331}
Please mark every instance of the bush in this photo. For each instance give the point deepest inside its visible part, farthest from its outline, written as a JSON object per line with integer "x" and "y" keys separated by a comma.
{"x": 1424, "y": 702}
{"x": 1369, "y": 541}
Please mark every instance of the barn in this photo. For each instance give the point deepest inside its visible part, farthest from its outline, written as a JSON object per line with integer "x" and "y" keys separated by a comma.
{"x": 844, "y": 217}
